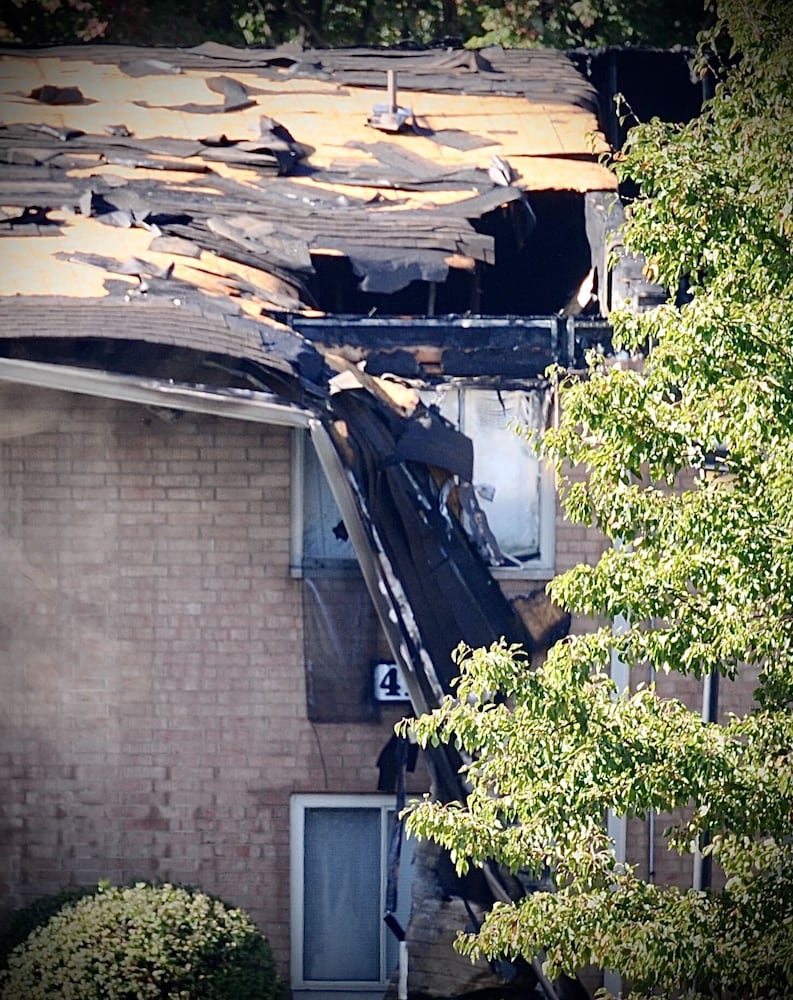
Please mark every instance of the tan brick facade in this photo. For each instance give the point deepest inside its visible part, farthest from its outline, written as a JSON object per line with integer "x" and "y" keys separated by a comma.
{"x": 153, "y": 720}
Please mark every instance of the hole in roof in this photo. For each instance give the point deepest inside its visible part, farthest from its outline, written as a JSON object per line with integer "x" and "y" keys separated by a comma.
{"x": 537, "y": 270}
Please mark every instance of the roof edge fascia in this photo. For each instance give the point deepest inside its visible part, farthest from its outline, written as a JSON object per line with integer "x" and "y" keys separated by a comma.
{"x": 235, "y": 404}
{"x": 385, "y": 590}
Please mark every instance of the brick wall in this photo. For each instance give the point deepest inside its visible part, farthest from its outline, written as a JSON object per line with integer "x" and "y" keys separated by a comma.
{"x": 153, "y": 720}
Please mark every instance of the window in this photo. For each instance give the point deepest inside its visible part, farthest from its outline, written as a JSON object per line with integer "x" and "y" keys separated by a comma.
{"x": 514, "y": 486}
{"x": 339, "y": 848}
{"x": 342, "y": 634}
{"x": 315, "y": 543}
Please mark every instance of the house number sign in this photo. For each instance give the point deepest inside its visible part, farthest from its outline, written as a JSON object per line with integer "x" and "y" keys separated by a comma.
{"x": 389, "y": 684}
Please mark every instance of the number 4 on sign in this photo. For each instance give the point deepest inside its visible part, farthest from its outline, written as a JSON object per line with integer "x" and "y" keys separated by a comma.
{"x": 388, "y": 683}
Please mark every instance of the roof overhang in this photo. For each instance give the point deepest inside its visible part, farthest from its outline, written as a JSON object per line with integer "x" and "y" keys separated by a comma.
{"x": 232, "y": 403}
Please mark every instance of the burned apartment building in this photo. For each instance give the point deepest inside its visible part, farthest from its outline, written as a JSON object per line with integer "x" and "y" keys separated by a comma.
{"x": 266, "y": 321}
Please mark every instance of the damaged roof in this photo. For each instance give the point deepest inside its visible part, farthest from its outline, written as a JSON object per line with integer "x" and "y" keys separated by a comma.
{"x": 189, "y": 228}
{"x": 239, "y": 173}
{"x": 176, "y": 224}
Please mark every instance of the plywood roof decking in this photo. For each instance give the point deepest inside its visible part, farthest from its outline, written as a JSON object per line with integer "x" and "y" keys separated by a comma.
{"x": 290, "y": 170}
{"x": 493, "y": 70}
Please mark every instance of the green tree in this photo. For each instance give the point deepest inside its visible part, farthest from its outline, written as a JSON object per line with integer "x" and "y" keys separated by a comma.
{"x": 565, "y": 24}
{"x": 701, "y": 567}
{"x": 322, "y": 23}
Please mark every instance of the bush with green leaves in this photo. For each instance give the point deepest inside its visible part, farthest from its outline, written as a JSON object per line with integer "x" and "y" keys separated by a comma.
{"x": 141, "y": 941}
{"x": 23, "y": 922}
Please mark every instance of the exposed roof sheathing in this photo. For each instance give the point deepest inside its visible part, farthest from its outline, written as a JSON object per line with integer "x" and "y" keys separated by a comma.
{"x": 232, "y": 171}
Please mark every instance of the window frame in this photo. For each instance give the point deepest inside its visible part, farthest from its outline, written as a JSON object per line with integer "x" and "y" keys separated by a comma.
{"x": 299, "y": 561}
{"x": 299, "y": 804}
{"x": 543, "y": 565}
{"x": 540, "y": 567}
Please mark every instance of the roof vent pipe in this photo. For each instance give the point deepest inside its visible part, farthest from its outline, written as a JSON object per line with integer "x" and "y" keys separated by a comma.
{"x": 389, "y": 117}
{"x": 391, "y": 78}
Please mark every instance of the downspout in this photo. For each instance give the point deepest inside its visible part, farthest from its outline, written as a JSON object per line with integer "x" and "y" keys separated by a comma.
{"x": 385, "y": 589}
{"x": 710, "y": 714}
{"x": 651, "y": 816}
{"x": 617, "y": 826}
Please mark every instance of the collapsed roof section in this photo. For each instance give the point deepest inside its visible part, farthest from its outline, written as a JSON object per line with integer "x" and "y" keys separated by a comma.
{"x": 398, "y": 470}
{"x": 259, "y": 175}
{"x": 230, "y": 230}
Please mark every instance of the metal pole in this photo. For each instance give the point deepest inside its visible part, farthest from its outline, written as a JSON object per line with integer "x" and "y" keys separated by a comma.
{"x": 710, "y": 713}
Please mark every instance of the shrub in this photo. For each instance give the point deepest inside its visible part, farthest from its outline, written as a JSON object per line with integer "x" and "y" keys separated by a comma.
{"x": 22, "y": 923}
{"x": 143, "y": 941}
